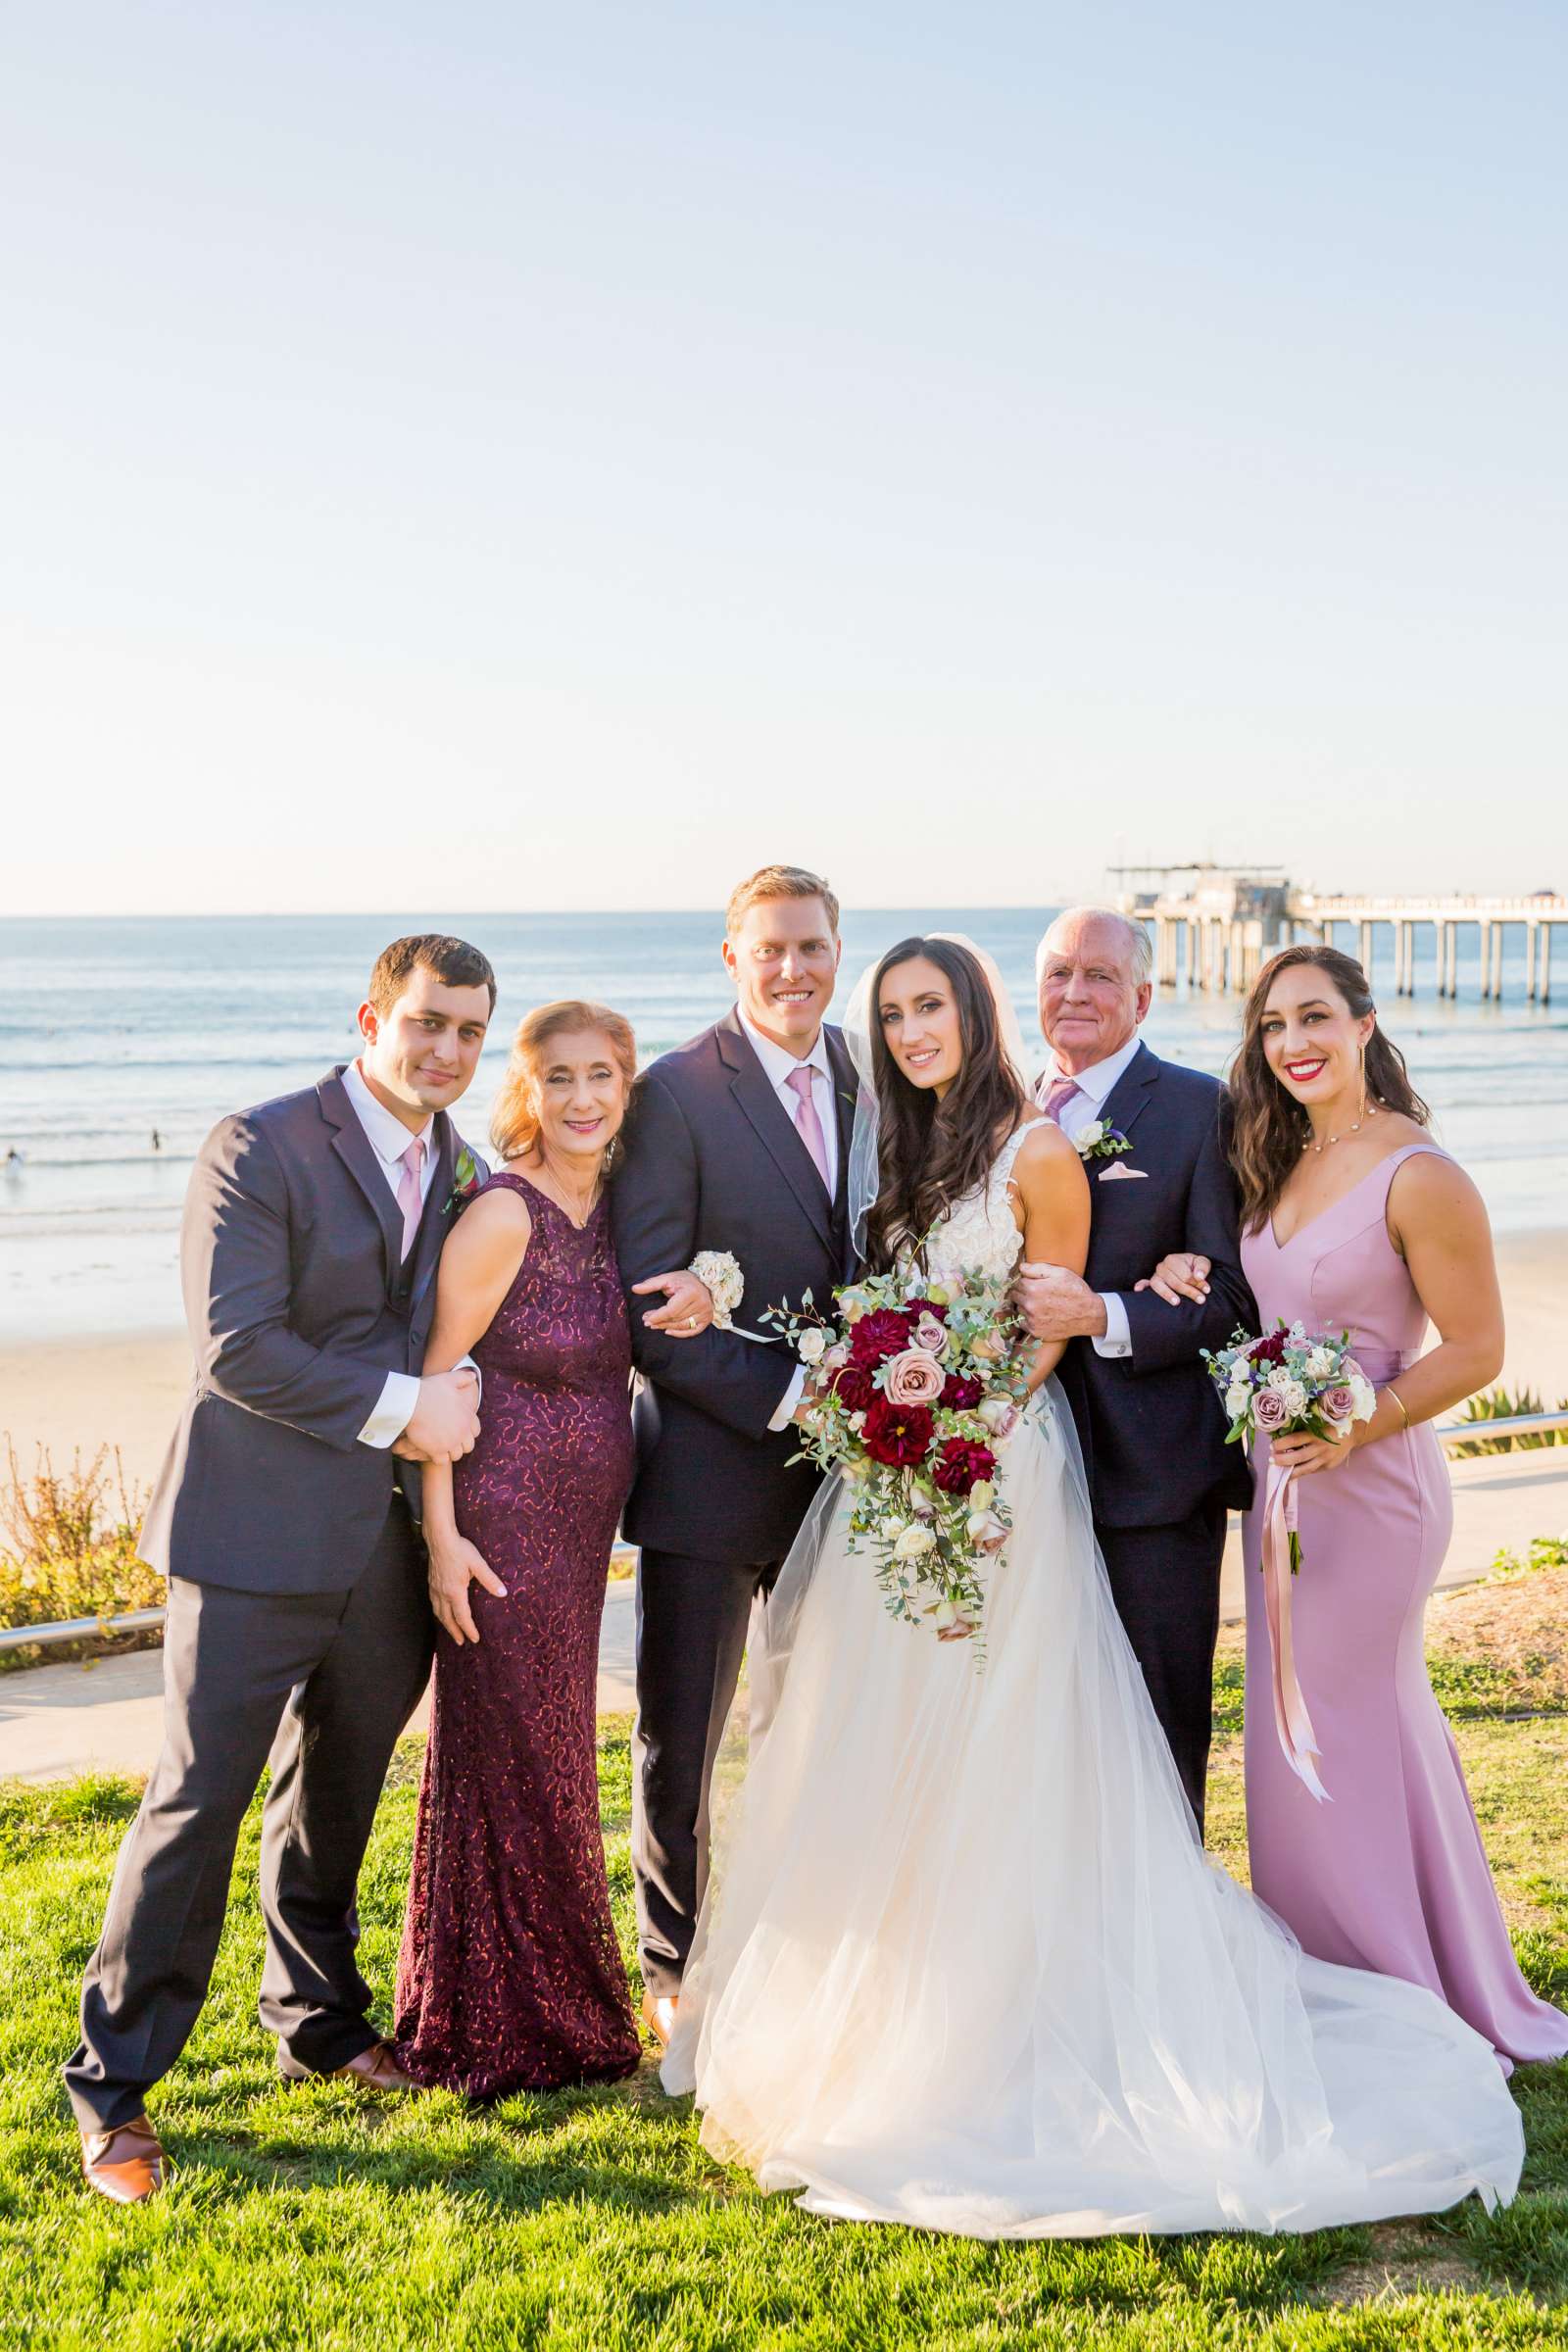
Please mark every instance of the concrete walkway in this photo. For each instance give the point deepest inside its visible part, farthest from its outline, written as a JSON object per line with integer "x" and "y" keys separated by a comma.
{"x": 57, "y": 1721}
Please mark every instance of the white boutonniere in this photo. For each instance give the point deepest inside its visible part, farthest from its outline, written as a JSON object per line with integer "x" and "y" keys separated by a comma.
{"x": 1100, "y": 1140}
{"x": 725, "y": 1282}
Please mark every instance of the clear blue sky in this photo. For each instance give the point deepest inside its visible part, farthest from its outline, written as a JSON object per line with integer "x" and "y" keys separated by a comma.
{"x": 507, "y": 454}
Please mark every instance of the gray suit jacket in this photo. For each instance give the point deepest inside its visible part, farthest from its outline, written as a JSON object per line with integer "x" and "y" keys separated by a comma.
{"x": 299, "y": 1304}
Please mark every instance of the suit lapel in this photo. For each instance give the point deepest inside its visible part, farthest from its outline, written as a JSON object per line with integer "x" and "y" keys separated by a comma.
{"x": 1128, "y": 1098}
{"x": 749, "y": 1084}
{"x": 355, "y": 1150}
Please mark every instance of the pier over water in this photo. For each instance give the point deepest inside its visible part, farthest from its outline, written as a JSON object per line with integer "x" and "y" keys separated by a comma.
{"x": 1216, "y": 927}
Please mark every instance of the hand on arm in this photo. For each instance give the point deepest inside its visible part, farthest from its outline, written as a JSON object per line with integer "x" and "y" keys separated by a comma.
{"x": 688, "y": 1308}
{"x": 478, "y": 1266}
{"x": 1052, "y": 1204}
{"x": 1199, "y": 1294}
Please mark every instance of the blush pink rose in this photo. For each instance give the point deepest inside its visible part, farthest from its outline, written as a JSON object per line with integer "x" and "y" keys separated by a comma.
{"x": 1268, "y": 1410}
{"x": 929, "y": 1334}
{"x": 913, "y": 1377}
{"x": 1338, "y": 1403}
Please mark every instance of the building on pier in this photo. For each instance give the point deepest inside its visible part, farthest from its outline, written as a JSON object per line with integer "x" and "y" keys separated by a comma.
{"x": 1214, "y": 927}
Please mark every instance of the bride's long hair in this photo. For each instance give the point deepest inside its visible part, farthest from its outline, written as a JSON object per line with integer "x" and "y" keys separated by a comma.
{"x": 932, "y": 1155}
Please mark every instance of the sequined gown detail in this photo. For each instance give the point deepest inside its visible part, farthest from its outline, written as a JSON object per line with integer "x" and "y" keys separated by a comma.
{"x": 510, "y": 1976}
{"x": 1390, "y": 1874}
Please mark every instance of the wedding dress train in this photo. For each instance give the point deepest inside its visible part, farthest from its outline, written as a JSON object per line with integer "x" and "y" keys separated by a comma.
{"x": 963, "y": 1963}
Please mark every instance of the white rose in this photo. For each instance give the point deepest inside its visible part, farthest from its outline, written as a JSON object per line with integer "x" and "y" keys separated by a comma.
{"x": 1280, "y": 1376}
{"x": 1366, "y": 1402}
{"x": 944, "y": 1615}
{"x": 1088, "y": 1137}
{"x": 1320, "y": 1363}
{"x": 1295, "y": 1397}
{"x": 811, "y": 1346}
{"x": 914, "y": 1544}
{"x": 1237, "y": 1399}
{"x": 891, "y": 1528}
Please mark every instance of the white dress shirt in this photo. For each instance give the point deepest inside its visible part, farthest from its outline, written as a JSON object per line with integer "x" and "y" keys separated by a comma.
{"x": 390, "y": 1140}
{"x": 1094, "y": 1085}
{"x": 778, "y": 1068}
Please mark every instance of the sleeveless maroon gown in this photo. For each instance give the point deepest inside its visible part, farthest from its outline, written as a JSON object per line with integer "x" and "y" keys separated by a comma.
{"x": 510, "y": 1976}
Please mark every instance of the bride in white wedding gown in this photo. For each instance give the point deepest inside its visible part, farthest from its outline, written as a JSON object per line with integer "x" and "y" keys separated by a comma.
{"x": 962, "y": 1962}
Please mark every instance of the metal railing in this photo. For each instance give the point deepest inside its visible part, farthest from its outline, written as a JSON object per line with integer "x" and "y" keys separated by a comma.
{"x": 1449, "y": 1433}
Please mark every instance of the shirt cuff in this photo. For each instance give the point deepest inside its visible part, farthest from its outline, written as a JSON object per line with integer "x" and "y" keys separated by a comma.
{"x": 790, "y": 1399}
{"x": 394, "y": 1410}
{"x": 394, "y": 1407}
{"x": 1116, "y": 1339}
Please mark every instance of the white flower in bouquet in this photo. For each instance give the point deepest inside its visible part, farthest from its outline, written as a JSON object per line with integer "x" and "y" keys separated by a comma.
{"x": 1001, "y": 1417}
{"x": 1279, "y": 1376}
{"x": 982, "y": 1494}
{"x": 915, "y": 1543}
{"x": 1238, "y": 1398}
{"x": 944, "y": 1615}
{"x": 811, "y": 1346}
{"x": 1320, "y": 1364}
{"x": 1366, "y": 1400}
{"x": 1295, "y": 1397}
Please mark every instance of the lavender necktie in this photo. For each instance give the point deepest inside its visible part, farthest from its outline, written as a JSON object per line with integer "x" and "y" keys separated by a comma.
{"x": 1058, "y": 1095}
{"x": 410, "y": 1198}
{"x": 808, "y": 1126}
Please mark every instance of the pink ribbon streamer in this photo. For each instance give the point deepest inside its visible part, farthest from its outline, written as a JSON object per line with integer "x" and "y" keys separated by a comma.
{"x": 1290, "y": 1718}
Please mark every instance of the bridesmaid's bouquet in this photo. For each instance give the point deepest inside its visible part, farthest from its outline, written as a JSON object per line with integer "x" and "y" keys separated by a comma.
{"x": 913, "y": 1391}
{"x": 1287, "y": 1382}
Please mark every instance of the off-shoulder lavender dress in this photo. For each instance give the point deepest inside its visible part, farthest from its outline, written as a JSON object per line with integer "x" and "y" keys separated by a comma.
{"x": 510, "y": 1976}
{"x": 1392, "y": 1875}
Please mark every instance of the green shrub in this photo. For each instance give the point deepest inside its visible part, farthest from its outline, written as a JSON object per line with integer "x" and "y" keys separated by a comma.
{"x": 1498, "y": 1404}
{"x": 68, "y": 1544}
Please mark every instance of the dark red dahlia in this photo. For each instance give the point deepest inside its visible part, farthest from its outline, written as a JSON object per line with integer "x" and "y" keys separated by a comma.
{"x": 1270, "y": 1351}
{"x": 884, "y": 1332}
{"x": 853, "y": 1384}
{"x": 960, "y": 1393}
{"x": 961, "y": 1464}
{"x": 897, "y": 1434}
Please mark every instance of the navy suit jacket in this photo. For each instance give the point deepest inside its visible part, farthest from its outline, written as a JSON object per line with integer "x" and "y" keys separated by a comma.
{"x": 299, "y": 1303}
{"x": 712, "y": 1162}
{"x": 1151, "y": 1425}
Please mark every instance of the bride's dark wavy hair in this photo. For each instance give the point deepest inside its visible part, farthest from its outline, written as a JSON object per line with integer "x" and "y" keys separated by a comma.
{"x": 1268, "y": 1126}
{"x": 931, "y": 1155}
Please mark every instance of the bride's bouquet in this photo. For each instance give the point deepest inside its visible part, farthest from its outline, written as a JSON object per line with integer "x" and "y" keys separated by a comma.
{"x": 912, "y": 1392}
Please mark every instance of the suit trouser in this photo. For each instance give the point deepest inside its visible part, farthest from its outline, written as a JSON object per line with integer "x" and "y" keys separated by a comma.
{"x": 331, "y": 1678}
{"x": 693, "y": 1622}
{"x": 1165, "y": 1583}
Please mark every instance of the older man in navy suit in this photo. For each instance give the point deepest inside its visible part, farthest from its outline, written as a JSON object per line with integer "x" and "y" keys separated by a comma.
{"x": 1160, "y": 1475}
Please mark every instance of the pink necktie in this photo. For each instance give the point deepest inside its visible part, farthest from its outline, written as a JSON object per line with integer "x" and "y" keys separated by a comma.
{"x": 409, "y": 1198}
{"x": 807, "y": 1125}
{"x": 1056, "y": 1098}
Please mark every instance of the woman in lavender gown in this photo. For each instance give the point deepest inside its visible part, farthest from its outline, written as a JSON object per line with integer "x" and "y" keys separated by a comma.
{"x": 1353, "y": 1219}
{"x": 510, "y": 1976}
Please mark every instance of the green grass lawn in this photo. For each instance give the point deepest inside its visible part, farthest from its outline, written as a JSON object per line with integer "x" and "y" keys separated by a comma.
{"x": 322, "y": 2217}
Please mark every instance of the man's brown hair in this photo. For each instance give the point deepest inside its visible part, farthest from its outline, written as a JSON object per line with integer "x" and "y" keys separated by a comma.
{"x": 778, "y": 882}
{"x": 452, "y": 960}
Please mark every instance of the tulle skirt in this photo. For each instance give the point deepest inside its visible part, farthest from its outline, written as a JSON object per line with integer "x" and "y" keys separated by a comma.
{"x": 963, "y": 1963}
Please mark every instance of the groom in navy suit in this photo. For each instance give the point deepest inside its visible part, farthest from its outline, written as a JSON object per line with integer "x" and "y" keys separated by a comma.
{"x": 1160, "y": 1475}
{"x": 738, "y": 1141}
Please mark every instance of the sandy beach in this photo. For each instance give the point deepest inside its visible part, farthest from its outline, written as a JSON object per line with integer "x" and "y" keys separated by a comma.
{"x": 125, "y": 1391}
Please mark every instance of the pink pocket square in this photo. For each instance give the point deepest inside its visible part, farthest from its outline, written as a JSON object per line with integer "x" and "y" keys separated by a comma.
{"x": 1117, "y": 1174}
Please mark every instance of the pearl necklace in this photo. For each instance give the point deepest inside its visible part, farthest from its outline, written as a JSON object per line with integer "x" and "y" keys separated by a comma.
{"x": 1368, "y": 1111}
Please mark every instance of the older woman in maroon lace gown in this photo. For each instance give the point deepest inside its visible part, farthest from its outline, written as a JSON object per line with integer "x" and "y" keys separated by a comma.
{"x": 510, "y": 1976}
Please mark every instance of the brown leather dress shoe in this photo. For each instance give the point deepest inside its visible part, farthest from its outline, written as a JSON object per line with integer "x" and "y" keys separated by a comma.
{"x": 376, "y": 2068}
{"x": 126, "y": 2164}
{"x": 658, "y": 2016}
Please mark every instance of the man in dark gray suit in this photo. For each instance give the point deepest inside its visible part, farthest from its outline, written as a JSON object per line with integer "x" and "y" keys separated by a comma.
{"x": 737, "y": 1141}
{"x": 286, "y": 1521}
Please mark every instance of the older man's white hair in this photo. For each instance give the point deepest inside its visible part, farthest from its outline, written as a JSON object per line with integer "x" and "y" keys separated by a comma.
{"x": 1140, "y": 947}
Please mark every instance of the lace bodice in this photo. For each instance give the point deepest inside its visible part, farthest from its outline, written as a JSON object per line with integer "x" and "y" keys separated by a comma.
{"x": 979, "y": 1233}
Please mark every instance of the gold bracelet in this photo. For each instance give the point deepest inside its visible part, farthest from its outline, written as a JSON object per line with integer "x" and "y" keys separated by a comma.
{"x": 1399, "y": 1401}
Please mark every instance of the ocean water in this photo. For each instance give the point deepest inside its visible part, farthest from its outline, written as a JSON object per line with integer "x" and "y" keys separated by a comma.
{"x": 115, "y": 1029}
